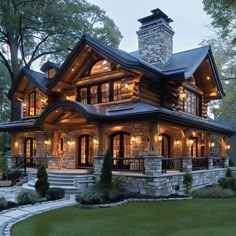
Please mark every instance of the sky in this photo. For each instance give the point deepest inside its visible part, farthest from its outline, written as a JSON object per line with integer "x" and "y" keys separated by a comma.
{"x": 191, "y": 24}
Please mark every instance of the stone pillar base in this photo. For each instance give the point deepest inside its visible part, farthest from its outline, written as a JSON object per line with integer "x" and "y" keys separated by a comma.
{"x": 153, "y": 166}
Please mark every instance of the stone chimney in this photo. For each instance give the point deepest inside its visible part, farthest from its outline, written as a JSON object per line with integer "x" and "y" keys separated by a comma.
{"x": 155, "y": 38}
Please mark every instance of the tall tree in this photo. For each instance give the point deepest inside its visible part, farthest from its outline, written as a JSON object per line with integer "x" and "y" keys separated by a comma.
{"x": 33, "y": 29}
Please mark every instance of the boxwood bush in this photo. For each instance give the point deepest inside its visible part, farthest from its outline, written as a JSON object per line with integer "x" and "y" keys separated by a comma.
{"x": 55, "y": 193}
{"x": 3, "y": 203}
{"x": 27, "y": 197}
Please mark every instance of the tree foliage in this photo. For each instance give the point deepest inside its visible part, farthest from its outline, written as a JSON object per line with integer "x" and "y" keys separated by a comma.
{"x": 35, "y": 29}
{"x": 106, "y": 175}
{"x": 42, "y": 184}
{"x": 223, "y": 14}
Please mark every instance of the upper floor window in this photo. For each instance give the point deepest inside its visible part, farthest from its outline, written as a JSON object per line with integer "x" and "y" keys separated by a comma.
{"x": 191, "y": 102}
{"x": 100, "y": 67}
{"x": 102, "y": 92}
{"x": 105, "y": 92}
{"x": 32, "y": 104}
{"x": 50, "y": 73}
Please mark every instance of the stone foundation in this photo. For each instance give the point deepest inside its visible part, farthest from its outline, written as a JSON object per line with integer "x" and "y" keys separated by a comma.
{"x": 166, "y": 184}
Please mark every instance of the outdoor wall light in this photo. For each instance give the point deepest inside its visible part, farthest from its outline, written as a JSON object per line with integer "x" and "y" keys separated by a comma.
{"x": 228, "y": 147}
{"x": 160, "y": 137}
{"x": 182, "y": 95}
{"x": 177, "y": 142}
{"x": 126, "y": 85}
{"x": 133, "y": 139}
{"x": 47, "y": 142}
{"x": 191, "y": 140}
{"x": 212, "y": 144}
{"x": 95, "y": 141}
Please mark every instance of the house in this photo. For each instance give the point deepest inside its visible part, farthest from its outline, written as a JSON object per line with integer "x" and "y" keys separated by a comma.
{"x": 149, "y": 107}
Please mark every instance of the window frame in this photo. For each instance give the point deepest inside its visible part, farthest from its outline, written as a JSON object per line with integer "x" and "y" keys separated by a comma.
{"x": 99, "y": 91}
{"x": 190, "y": 94}
{"x": 34, "y": 103}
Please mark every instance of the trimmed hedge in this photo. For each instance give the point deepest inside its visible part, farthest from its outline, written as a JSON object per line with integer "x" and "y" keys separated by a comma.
{"x": 55, "y": 193}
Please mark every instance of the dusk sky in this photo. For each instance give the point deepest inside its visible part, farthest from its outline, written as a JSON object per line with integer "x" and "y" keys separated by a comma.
{"x": 191, "y": 24}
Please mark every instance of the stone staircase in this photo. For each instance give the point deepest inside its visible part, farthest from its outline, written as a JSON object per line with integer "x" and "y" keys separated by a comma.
{"x": 71, "y": 182}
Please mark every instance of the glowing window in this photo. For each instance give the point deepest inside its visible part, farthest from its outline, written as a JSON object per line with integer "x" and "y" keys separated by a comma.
{"x": 100, "y": 67}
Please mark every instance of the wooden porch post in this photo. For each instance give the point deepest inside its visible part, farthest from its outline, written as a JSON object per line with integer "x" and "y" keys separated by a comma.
{"x": 223, "y": 147}
{"x": 153, "y": 137}
{"x": 185, "y": 143}
{"x": 55, "y": 143}
{"x": 100, "y": 140}
{"x": 207, "y": 145}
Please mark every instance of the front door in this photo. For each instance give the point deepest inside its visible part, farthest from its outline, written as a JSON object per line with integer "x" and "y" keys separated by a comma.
{"x": 85, "y": 150}
{"x": 30, "y": 150}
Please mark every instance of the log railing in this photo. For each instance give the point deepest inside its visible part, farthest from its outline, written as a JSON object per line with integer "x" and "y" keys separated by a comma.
{"x": 128, "y": 164}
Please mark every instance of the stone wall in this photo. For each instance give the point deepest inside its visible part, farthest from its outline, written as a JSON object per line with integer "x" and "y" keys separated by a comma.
{"x": 166, "y": 184}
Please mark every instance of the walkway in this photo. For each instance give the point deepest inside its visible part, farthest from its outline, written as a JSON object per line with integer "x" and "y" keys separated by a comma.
{"x": 12, "y": 216}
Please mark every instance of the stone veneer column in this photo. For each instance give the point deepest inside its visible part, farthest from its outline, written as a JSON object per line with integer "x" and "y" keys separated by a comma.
{"x": 153, "y": 166}
{"x": 226, "y": 162}
{"x": 97, "y": 164}
{"x": 153, "y": 132}
{"x": 210, "y": 163}
{"x": 187, "y": 164}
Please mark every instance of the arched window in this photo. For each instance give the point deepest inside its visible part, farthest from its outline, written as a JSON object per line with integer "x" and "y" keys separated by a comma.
{"x": 32, "y": 104}
{"x": 165, "y": 145}
{"x": 100, "y": 67}
{"x": 85, "y": 150}
{"x": 121, "y": 145}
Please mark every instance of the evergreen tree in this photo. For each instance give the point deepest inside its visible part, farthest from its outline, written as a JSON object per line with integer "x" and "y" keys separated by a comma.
{"x": 42, "y": 184}
{"x": 106, "y": 176}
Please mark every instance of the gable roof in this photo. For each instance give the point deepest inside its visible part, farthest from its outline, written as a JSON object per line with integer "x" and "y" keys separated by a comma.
{"x": 47, "y": 65}
{"x": 36, "y": 78}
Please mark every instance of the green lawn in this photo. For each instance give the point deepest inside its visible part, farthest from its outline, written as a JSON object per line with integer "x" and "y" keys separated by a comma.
{"x": 180, "y": 218}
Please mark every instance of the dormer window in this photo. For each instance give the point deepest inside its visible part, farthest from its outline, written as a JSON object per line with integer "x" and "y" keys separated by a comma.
{"x": 50, "y": 73}
{"x": 100, "y": 67}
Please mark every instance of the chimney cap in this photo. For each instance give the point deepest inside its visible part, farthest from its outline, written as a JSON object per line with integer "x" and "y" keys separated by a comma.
{"x": 156, "y": 15}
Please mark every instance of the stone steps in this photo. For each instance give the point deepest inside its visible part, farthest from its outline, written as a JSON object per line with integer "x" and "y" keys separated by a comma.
{"x": 70, "y": 182}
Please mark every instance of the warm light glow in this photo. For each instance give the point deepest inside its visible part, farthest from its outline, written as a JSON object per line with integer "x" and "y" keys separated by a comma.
{"x": 212, "y": 144}
{"x": 58, "y": 90}
{"x": 182, "y": 95}
{"x": 126, "y": 86}
{"x": 16, "y": 144}
{"x": 133, "y": 139}
{"x": 191, "y": 141}
{"x": 208, "y": 77}
{"x": 47, "y": 142}
{"x": 104, "y": 62}
{"x": 228, "y": 147}
{"x": 160, "y": 137}
{"x": 95, "y": 141}
{"x": 177, "y": 142}
{"x": 70, "y": 143}
{"x": 72, "y": 69}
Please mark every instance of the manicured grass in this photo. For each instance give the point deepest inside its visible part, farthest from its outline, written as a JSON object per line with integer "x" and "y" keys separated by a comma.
{"x": 180, "y": 218}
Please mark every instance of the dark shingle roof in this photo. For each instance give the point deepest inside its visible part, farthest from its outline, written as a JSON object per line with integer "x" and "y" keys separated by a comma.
{"x": 48, "y": 65}
{"x": 187, "y": 61}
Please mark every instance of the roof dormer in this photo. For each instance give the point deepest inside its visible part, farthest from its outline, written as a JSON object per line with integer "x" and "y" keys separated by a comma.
{"x": 50, "y": 69}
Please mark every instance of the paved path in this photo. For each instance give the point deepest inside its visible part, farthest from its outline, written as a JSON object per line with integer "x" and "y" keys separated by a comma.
{"x": 10, "y": 192}
{"x": 10, "y": 217}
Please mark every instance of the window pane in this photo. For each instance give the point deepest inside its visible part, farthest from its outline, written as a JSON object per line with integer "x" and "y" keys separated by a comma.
{"x": 191, "y": 101}
{"x": 105, "y": 92}
{"x": 94, "y": 94}
{"x": 32, "y": 104}
{"x": 117, "y": 90}
{"x": 100, "y": 67}
{"x": 83, "y": 95}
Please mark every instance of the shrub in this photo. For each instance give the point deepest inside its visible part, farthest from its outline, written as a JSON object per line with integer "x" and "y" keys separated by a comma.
{"x": 228, "y": 173}
{"x": 231, "y": 162}
{"x": 89, "y": 197}
{"x": 3, "y": 203}
{"x": 27, "y": 197}
{"x": 106, "y": 175}
{"x": 188, "y": 179}
{"x": 55, "y": 193}
{"x": 42, "y": 184}
{"x": 225, "y": 183}
{"x": 233, "y": 183}
{"x": 3, "y": 166}
{"x": 11, "y": 204}
{"x": 213, "y": 192}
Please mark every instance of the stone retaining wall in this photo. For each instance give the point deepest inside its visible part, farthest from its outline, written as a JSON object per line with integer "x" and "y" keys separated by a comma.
{"x": 166, "y": 184}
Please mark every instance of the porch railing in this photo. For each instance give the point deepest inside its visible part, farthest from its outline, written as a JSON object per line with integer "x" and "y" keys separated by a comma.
{"x": 199, "y": 163}
{"x": 128, "y": 164}
{"x": 172, "y": 164}
{"x": 218, "y": 162}
{"x": 30, "y": 161}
